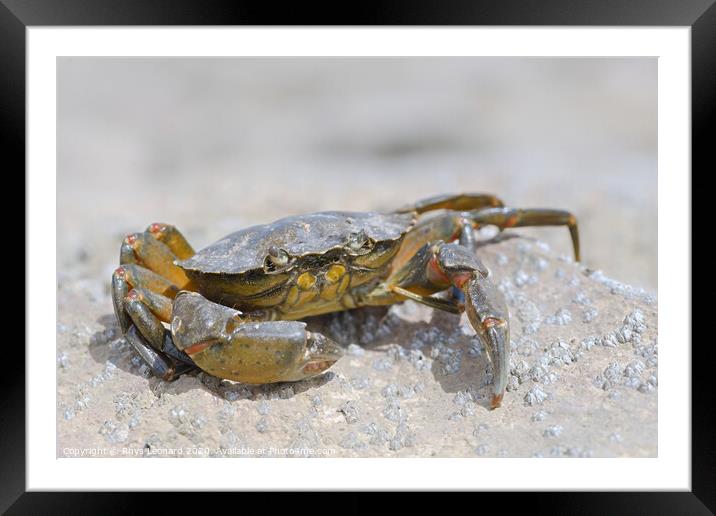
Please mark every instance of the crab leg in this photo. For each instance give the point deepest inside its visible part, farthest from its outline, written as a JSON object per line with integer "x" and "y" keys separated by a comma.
{"x": 458, "y": 225}
{"x": 155, "y": 360}
{"x": 515, "y": 217}
{"x": 142, "y": 291}
{"x": 453, "y": 202}
{"x": 153, "y": 254}
{"x": 140, "y": 310}
{"x": 446, "y": 227}
{"x": 172, "y": 238}
{"x": 144, "y": 320}
{"x": 468, "y": 241}
{"x": 147, "y": 261}
{"x": 131, "y": 276}
{"x": 159, "y": 305}
{"x": 161, "y": 365}
{"x": 438, "y": 266}
{"x": 223, "y": 343}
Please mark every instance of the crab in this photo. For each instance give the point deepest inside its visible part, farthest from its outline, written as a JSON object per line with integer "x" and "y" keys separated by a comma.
{"x": 233, "y": 308}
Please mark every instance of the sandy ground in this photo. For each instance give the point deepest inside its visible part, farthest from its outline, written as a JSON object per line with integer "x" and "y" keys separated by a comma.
{"x": 216, "y": 145}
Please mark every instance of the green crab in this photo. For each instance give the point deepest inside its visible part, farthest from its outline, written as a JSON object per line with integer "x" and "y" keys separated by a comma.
{"x": 232, "y": 309}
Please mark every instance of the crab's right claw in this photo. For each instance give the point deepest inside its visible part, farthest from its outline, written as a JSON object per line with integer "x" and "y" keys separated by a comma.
{"x": 487, "y": 310}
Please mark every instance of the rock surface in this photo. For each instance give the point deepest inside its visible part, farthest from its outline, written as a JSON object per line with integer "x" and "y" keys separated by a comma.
{"x": 414, "y": 382}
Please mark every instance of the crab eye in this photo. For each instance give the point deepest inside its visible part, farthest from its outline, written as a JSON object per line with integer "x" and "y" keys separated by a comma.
{"x": 359, "y": 242}
{"x": 276, "y": 259}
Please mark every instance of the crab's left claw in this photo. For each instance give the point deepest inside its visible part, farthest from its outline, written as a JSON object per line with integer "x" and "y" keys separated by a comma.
{"x": 484, "y": 303}
{"x": 487, "y": 311}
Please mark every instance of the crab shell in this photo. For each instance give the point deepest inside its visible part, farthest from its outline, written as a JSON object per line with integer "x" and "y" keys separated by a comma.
{"x": 302, "y": 265}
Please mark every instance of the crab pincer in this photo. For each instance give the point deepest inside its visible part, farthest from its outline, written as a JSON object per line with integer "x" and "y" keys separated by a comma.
{"x": 224, "y": 343}
{"x": 440, "y": 266}
{"x": 485, "y": 306}
{"x": 487, "y": 311}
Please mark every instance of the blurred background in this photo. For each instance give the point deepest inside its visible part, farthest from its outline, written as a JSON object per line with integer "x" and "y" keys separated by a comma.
{"x": 213, "y": 145}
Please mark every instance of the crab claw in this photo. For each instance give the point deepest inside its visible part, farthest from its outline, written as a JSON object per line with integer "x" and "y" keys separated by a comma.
{"x": 487, "y": 311}
{"x": 484, "y": 303}
{"x": 222, "y": 343}
{"x": 497, "y": 341}
{"x": 321, "y": 353}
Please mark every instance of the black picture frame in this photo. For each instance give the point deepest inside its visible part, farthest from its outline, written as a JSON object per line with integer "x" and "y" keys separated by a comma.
{"x": 700, "y": 15}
